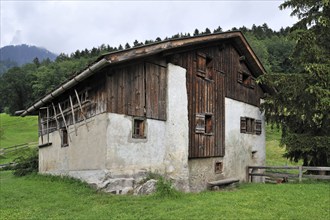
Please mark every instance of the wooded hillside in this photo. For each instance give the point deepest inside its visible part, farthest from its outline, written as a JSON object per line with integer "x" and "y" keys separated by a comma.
{"x": 21, "y": 86}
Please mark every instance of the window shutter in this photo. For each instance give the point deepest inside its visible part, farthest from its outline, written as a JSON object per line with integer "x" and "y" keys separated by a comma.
{"x": 252, "y": 82}
{"x": 201, "y": 63}
{"x": 258, "y": 127}
{"x": 240, "y": 77}
{"x": 209, "y": 68}
{"x": 243, "y": 125}
{"x": 200, "y": 123}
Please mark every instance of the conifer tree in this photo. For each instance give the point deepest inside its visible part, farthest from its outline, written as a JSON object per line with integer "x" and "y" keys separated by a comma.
{"x": 301, "y": 102}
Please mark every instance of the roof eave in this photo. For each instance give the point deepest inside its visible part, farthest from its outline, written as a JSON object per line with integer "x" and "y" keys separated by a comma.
{"x": 67, "y": 85}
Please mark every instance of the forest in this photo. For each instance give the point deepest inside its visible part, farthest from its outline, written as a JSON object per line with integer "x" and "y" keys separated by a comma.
{"x": 21, "y": 86}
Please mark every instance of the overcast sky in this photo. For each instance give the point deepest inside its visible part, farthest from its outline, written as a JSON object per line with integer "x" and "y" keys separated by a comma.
{"x": 65, "y": 26}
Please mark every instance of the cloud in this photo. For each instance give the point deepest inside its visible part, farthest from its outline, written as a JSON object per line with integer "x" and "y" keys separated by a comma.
{"x": 65, "y": 26}
{"x": 17, "y": 39}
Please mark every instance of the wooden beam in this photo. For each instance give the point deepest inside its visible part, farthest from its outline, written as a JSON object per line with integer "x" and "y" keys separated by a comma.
{"x": 40, "y": 127}
{"x": 81, "y": 110}
{"x": 47, "y": 125}
{"x": 55, "y": 116}
{"x": 276, "y": 167}
{"x": 316, "y": 168}
{"x": 73, "y": 119}
{"x": 66, "y": 126}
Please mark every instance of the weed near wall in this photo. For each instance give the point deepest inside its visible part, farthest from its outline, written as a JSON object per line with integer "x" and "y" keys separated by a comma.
{"x": 165, "y": 189}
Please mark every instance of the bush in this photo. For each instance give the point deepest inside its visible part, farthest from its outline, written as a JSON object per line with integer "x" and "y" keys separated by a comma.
{"x": 27, "y": 163}
{"x": 164, "y": 189}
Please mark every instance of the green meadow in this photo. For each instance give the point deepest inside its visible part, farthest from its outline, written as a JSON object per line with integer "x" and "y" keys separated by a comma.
{"x": 48, "y": 197}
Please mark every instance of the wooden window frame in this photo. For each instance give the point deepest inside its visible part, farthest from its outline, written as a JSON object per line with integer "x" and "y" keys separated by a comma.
{"x": 139, "y": 128}
{"x": 204, "y": 124}
{"x": 209, "y": 124}
{"x": 201, "y": 64}
{"x": 205, "y": 66}
{"x": 250, "y": 126}
{"x": 246, "y": 79}
{"x": 218, "y": 167}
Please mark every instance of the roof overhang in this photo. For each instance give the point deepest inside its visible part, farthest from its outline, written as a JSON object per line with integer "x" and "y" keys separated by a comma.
{"x": 164, "y": 47}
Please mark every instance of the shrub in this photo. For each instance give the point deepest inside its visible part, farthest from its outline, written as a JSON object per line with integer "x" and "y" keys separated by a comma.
{"x": 26, "y": 164}
{"x": 165, "y": 189}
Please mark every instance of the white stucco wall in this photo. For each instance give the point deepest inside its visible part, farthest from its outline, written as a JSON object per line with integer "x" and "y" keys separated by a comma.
{"x": 106, "y": 155}
{"x": 165, "y": 148}
{"x": 239, "y": 146}
{"x": 86, "y": 150}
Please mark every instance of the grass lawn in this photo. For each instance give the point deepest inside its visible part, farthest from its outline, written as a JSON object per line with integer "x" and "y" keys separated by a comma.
{"x": 43, "y": 197}
{"x": 273, "y": 150}
{"x": 14, "y": 131}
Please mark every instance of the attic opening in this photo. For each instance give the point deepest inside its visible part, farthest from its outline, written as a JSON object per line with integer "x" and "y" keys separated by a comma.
{"x": 246, "y": 79}
{"x": 205, "y": 66}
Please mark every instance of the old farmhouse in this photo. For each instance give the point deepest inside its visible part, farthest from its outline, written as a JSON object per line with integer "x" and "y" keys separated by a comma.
{"x": 185, "y": 108}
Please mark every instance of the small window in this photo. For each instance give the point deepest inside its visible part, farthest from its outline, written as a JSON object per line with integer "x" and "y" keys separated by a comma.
{"x": 246, "y": 79}
{"x": 204, "y": 124}
{"x": 139, "y": 128}
{"x": 65, "y": 137}
{"x": 201, "y": 63}
{"x": 205, "y": 66}
{"x": 208, "y": 124}
{"x": 250, "y": 126}
{"x": 218, "y": 167}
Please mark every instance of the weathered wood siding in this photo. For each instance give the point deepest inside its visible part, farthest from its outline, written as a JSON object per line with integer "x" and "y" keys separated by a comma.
{"x": 212, "y": 75}
{"x": 205, "y": 98}
{"x": 92, "y": 95}
{"x": 232, "y": 66}
{"x": 138, "y": 90}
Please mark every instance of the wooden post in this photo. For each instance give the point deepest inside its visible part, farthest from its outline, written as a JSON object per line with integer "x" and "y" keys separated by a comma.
{"x": 247, "y": 174}
{"x": 47, "y": 125}
{"x": 66, "y": 126}
{"x": 81, "y": 110}
{"x": 55, "y": 116}
{"x": 73, "y": 119}
{"x": 300, "y": 173}
{"x": 40, "y": 127}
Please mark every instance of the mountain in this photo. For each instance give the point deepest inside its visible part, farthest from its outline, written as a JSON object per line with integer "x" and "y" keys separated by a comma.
{"x": 17, "y": 55}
